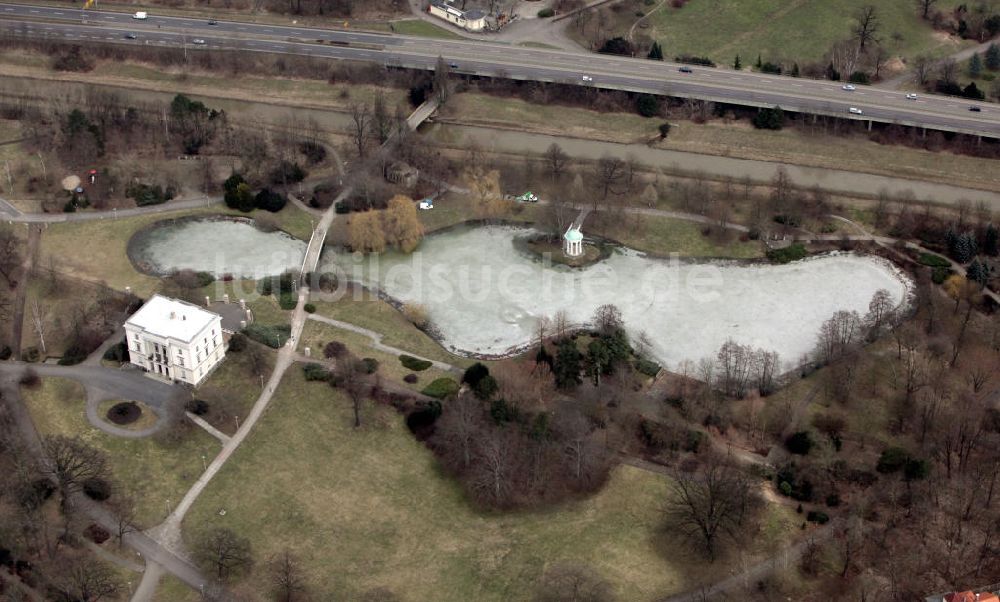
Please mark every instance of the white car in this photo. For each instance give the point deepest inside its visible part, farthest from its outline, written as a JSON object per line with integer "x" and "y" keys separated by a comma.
{"x": 911, "y": 96}
{"x": 587, "y": 78}
{"x": 848, "y": 87}
{"x": 141, "y": 15}
{"x": 198, "y": 41}
{"x": 426, "y": 204}
{"x": 855, "y": 111}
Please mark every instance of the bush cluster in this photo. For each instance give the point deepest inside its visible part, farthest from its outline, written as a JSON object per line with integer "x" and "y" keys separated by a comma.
{"x": 413, "y": 363}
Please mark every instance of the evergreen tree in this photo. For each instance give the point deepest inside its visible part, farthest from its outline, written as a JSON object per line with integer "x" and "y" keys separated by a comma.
{"x": 656, "y": 52}
{"x": 759, "y": 63}
{"x": 598, "y": 360}
{"x": 567, "y": 365}
{"x": 975, "y": 65}
{"x": 965, "y": 247}
{"x": 991, "y": 238}
{"x": 972, "y": 91}
{"x": 737, "y": 64}
{"x": 831, "y": 73}
{"x": 795, "y": 70}
{"x": 993, "y": 57}
{"x": 978, "y": 272}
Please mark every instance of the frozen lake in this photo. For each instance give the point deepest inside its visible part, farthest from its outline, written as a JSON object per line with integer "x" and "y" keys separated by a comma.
{"x": 215, "y": 245}
{"x": 485, "y": 296}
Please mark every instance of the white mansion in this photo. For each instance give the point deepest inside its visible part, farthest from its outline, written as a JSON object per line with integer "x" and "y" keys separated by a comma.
{"x": 175, "y": 339}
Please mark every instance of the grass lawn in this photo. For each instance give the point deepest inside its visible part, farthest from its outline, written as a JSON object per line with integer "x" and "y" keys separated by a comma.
{"x": 785, "y": 30}
{"x": 736, "y": 139}
{"x": 664, "y": 236}
{"x": 154, "y": 472}
{"x": 316, "y": 334}
{"x": 419, "y": 27}
{"x": 232, "y": 388}
{"x": 172, "y": 589}
{"x": 106, "y": 241}
{"x": 373, "y": 504}
{"x": 368, "y": 311}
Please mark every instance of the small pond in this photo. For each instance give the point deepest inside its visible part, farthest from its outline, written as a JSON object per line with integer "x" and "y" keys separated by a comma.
{"x": 217, "y": 245}
{"x": 484, "y": 294}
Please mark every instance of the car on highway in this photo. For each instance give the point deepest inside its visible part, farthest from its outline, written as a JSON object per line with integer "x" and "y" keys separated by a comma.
{"x": 975, "y": 109}
{"x": 198, "y": 41}
{"x": 848, "y": 87}
{"x": 911, "y": 96}
{"x": 130, "y": 36}
{"x": 453, "y": 65}
{"x": 855, "y": 111}
{"x": 213, "y": 22}
{"x": 686, "y": 70}
{"x": 587, "y": 78}
{"x": 141, "y": 15}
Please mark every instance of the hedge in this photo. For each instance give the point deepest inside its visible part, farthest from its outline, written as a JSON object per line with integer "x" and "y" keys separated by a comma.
{"x": 647, "y": 367}
{"x": 789, "y": 254}
{"x": 934, "y": 261}
{"x": 288, "y": 300}
{"x": 414, "y": 363}
{"x": 272, "y": 336}
{"x": 441, "y": 388}
{"x": 315, "y": 372}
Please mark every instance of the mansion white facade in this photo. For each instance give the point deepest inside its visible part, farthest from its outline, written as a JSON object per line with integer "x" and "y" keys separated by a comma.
{"x": 175, "y": 339}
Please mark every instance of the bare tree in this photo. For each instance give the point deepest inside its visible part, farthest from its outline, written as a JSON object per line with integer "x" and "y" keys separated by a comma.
{"x": 735, "y": 363}
{"x": 123, "y": 513}
{"x": 925, "y": 7}
{"x": 350, "y": 375}
{"x": 568, "y": 582}
{"x": 879, "y": 314}
{"x": 608, "y": 319}
{"x": 922, "y": 67}
{"x": 442, "y": 73}
{"x": 10, "y": 255}
{"x": 460, "y": 426}
{"x": 361, "y": 120}
{"x": 947, "y": 70}
{"x": 494, "y": 467}
{"x": 866, "y": 26}
{"x": 610, "y": 173}
{"x": 560, "y": 324}
{"x": 556, "y": 159}
{"x": 286, "y": 576}
{"x": 69, "y": 462}
{"x": 84, "y": 579}
{"x": 381, "y": 122}
{"x": 39, "y": 323}
{"x": 838, "y": 335}
{"x": 708, "y": 506}
{"x": 224, "y": 551}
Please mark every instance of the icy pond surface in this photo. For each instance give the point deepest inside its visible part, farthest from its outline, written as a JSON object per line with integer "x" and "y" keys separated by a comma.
{"x": 215, "y": 245}
{"x": 484, "y": 295}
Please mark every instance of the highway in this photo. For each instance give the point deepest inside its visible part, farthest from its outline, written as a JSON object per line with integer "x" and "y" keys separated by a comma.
{"x": 502, "y": 60}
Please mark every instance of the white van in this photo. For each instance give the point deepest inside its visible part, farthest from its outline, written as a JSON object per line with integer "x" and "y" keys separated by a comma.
{"x": 141, "y": 15}
{"x": 854, "y": 111}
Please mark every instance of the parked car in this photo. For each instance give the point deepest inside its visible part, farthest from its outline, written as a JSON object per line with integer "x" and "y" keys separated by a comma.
{"x": 686, "y": 70}
{"x": 848, "y": 87}
{"x": 527, "y": 197}
{"x": 426, "y": 204}
{"x": 855, "y": 111}
{"x": 911, "y": 96}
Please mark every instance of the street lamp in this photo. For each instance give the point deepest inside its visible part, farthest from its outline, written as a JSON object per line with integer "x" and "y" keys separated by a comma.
{"x": 204, "y": 464}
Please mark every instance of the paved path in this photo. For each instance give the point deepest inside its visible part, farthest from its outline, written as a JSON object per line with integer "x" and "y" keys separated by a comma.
{"x": 376, "y": 339}
{"x": 211, "y": 430}
{"x": 86, "y": 216}
{"x": 146, "y": 590}
{"x": 21, "y": 294}
{"x": 141, "y": 543}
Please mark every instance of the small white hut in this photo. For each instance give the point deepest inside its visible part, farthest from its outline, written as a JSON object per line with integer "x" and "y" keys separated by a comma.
{"x": 573, "y": 242}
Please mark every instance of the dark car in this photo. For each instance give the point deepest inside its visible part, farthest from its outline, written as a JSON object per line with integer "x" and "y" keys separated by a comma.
{"x": 213, "y": 22}
{"x": 130, "y": 36}
{"x": 975, "y": 109}
{"x": 453, "y": 65}
{"x": 685, "y": 70}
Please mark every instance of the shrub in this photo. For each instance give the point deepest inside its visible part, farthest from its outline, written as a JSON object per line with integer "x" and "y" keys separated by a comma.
{"x": 96, "y": 533}
{"x": 146, "y": 194}
{"x": 501, "y": 411}
{"x": 616, "y": 45}
{"x": 71, "y": 60}
{"x": 30, "y": 379}
{"x": 789, "y": 254}
{"x": 486, "y": 388}
{"x": 97, "y": 489}
{"x": 545, "y": 13}
{"x": 237, "y": 343}
{"x": 939, "y": 275}
{"x": 313, "y": 152}
{"x": 704, "y": 61}
{"x": 31, "y": 354}
{"x": 799, "y": 443}
{"x": 769, "y": 119}
{"x": 413, "y": 363}
{"x": 647, "y": 367}
{"x": 369, "y": 365}
{"x": 934, "y": 261}
{"x": 859, "y": 77}
{"x": 916, "y": 469}
{"x": 891, "y": 460}
{"x": 334, "y": 349}
{"x": 314, "y": 372}
{"x": 309, "y": 308}
{"x": 648, "y": 105}
{"x": 198, "y": 407}
{"x": 5, "y": 352}
{"x": 441, "y": 388}
{"x": 272, "y": 336}
{"x": 288, "y": 301}
{"x": 287, "y": 172}
{"x": 770, "y": 67}
{"x": 125, "y": 412}
{"x": 117, "y": 352}
{"x": 664, "y": 129}
{"x": 475, "y": 373}
{"x": 268, "y": 200}
{"x": 73, "y": 355}
{"x": 410, "y": 378}
{"x": 833, "y": 500}
{"x": 815, "y": 516}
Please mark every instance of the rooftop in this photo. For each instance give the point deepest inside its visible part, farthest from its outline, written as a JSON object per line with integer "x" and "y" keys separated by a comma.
{"x": 165, "y": 317}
